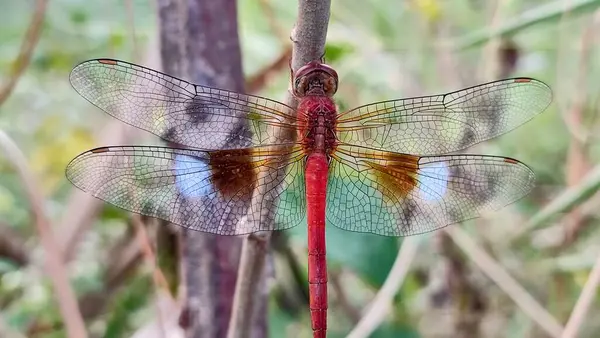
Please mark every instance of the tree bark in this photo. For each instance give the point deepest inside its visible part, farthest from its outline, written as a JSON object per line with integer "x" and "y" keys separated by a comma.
{"x": 199, "y": 42}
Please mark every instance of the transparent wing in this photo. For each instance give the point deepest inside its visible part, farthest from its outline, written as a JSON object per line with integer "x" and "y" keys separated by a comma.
{"x": 209, "y": 191}
{"x": 440, "y": 124}
{"x": 394, "y": 194}
{"x": 182, "y": 112}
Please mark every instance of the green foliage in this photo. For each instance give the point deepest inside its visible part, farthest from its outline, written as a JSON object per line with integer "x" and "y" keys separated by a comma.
{"x": 370, "y": 256}
{"x": 130, "y": 300}
{"x": 335, "y": 52}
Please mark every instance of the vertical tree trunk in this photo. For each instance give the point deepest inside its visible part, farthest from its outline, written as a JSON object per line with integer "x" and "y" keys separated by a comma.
{"x": 199, "y": 42}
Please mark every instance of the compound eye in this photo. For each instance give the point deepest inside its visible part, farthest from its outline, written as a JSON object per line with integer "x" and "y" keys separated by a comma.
{"x": 299, "y": 86}
{"x": 331, "y": 86}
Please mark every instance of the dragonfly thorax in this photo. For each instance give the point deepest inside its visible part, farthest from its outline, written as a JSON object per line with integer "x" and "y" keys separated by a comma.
{"x": 317, "y": 129}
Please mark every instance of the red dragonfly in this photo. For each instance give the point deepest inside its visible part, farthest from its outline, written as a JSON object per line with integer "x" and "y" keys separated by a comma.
{"x": 242, "y": 163}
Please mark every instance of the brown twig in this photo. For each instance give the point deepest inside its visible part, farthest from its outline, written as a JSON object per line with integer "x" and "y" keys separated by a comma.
{"x": 252, "y": 262}
{"x": 271, "y": 16}
{"x": 583, "y": 303}
{"x": 144, "y": 240}
{"x": 123, "y": 257}
{"x": 55, "y": 268}
{"x": 160, "y": 282}
{"x": 308, "y": 37}
{"x": 24, "y": 57}
{"x": 380, "y": 306}
{"x": 508, "y": 284}
{"x": 342, "y": 299}
{"x": 257, "y": 81}
{"x": 467, "y": 300}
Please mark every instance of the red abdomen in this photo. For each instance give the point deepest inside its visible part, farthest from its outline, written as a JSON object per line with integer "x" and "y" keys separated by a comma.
{"x": 316, "y": 188}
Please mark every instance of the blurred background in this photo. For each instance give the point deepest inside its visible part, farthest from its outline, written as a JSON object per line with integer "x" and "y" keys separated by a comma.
{"x": 515, "y": 273}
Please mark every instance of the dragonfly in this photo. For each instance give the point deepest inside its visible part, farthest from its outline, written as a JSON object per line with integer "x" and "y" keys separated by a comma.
{"x": 236, "y": 164}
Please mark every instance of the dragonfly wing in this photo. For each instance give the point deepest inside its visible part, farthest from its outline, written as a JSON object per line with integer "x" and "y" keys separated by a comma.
{"x": 441, "y": 124}
{"x": 208, "y": 191}
{"x": 394, "y": 194}
{"x": 182, "y": 112}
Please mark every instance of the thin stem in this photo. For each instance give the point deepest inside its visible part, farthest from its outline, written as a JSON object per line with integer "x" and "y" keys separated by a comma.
{"x": 22, "y": 61}
{"x": 380, "y": 306}
{"x": 55, "y": 268}
{"x": 567, "y": 200}
{"x": 505, "y": 281}
{"x": 583, "y": 303}
{"x": 546, "y": 12}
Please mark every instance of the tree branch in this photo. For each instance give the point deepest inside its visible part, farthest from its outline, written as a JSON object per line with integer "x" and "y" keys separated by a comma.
{"x": 308, "y": 37}
{"x": 55, "y": 268}
{"x": 199, "y": 41}
{"x": 22, "y": 60}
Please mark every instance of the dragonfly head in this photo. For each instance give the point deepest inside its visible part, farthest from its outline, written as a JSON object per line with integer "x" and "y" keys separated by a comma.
{"x": 315, "y": 78}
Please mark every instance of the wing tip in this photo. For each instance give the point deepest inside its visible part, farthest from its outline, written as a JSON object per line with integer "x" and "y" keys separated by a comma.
{"x": 541, "y": 84}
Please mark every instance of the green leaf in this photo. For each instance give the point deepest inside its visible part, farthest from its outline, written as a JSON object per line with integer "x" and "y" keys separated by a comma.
{"x": 279, "y": 321}
{"x": 370, "y": 256}
{"x": 336, "y": 51}
{"x": 128, "y": 301}
{"x": 392, "y": 330}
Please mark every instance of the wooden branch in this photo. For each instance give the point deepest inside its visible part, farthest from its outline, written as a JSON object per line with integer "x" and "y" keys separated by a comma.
{"x": 251, "y": 271}
{"x": 55, "y": 268}
{"x": 22, "y": 61}
{"x": 310, "y": 32}
{"x": 308, "y": 37}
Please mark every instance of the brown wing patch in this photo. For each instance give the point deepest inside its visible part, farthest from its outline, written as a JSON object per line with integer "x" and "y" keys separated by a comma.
{"x": 396, "y": 172}
{"x": 232, "y": 170}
